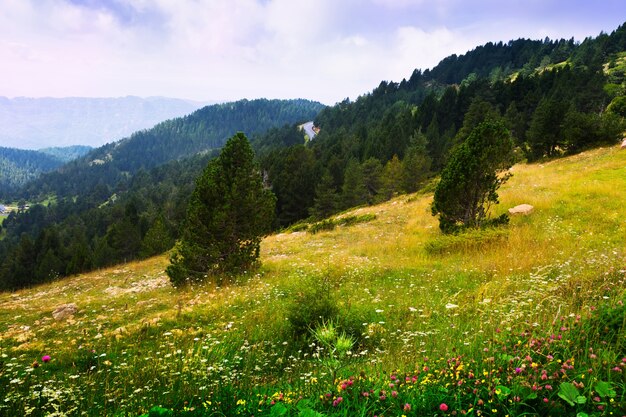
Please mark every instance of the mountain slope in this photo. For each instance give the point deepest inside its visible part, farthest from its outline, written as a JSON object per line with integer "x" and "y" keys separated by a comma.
{"x": 34, "y": 123}
{"x": 18, "y": 166}
{"x": 67, "y": 153}
{"x": 202, "y": 131}
{"x": 457, "y": 316}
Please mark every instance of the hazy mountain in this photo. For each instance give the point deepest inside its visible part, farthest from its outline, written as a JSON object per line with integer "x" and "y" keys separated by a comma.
{"x": 34, "y": 123}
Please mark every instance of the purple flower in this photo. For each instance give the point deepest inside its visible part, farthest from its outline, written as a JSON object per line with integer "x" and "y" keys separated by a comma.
{"x": 45, "y": 358}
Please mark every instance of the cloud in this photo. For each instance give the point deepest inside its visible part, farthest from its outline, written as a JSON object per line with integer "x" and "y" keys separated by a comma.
{"x": 216, "y": 50}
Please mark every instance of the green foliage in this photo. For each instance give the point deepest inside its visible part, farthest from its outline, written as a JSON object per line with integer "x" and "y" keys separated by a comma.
{"x": 470, "y": 180}
{"x": 67, "y": 153}
{"x": 416, "y": 163}
{"x": 391, "y": 179}
{"x": 353, "y": 192}
{"x": 569, "y": 393}
{"x": 157, "y": 239}
{"x": 467, "y": 240}
{"x": 355, "y": 219}
{"x": 324, "y": 225}
{"x": 330, "y": 224}
{"x": 609, "y": 324}
{"x": 312, "y": 305}
{"x": 18, "y": 166}
{"x": 326, "y": 198}
{"x": 292, "y": 175}
{"x": 618, "y": 106}
{"x": 229, "y": 212}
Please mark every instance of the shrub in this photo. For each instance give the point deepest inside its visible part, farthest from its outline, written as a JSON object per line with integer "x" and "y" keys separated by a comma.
{"x": 313, "y": 304}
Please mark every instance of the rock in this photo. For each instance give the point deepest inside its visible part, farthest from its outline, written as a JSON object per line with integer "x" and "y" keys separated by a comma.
{"x": 524, "y": 209}
{"x": 64, "y": 311}
{"x": 623, "y": 144}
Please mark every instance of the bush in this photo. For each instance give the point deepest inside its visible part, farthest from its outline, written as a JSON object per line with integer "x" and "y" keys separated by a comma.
{"x": 470, "y": 239}
{"x": 313, "y": 304}
{"x": 324, "y": 225}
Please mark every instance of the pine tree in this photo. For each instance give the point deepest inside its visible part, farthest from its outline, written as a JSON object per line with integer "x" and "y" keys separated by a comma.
{"x": 416, "y": 163}
{"x": 470, "y": 180}
{"x": 326, "y": 198}
{"x": 227, "y": 215}
{"x": 392, "y": 179}
{"x": 353, "y": 191}
{"x": 157, "y": 239}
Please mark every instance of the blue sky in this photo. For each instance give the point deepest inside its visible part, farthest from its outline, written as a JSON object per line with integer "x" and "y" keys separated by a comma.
{"x": 325, "y": 50}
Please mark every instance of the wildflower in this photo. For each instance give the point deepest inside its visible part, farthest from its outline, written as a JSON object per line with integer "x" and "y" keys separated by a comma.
{"x": 337, "y": 401}
{"x": 443, "y": 407}
{"x": 394, "y": 394}
{"x": 407, "y": 407}
{"x": 45, "y": 358}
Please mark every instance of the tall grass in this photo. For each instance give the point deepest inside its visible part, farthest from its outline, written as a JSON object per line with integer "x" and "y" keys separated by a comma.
{"x": 526, "y": 320}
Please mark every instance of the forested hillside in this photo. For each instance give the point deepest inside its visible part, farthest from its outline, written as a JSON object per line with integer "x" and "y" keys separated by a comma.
{"x": 555, "y": 97}
{"x": 18, "y": 166}
{"x": 127, "y": 199}
{"x": 202, "y": 131}
{"x": 67, "y": 153}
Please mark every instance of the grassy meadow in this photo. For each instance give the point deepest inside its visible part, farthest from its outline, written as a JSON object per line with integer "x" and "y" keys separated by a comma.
{"x": 379, "y": 317}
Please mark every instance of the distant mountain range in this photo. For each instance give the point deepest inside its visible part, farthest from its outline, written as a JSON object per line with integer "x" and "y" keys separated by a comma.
{"x": 35, "y": 123}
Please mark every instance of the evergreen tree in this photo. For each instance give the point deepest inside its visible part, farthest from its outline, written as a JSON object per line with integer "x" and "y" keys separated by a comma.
{"x": 470, "y": 180}
{"x": 416, "y": 163}
{"x": 157, "y": 239}
{"x": 392, "y": 178}
{"x": 353, "y": 192}
{"x": 228, "y": 213}
{"x": 326, "y": 198}
{"x": 544, "y": 134}
{"x": 372, "y": 171}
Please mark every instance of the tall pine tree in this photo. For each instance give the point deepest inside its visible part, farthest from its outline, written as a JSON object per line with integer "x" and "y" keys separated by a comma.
{"x": 228, "y": 213}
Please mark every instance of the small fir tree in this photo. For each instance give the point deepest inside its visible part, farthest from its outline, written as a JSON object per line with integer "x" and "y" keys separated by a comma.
{"x": 470, "y": 180}
{"x": 228, "y": 213}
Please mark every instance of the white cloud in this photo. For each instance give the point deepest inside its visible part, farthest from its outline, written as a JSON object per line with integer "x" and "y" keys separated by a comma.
{"x": 216, "y": 49}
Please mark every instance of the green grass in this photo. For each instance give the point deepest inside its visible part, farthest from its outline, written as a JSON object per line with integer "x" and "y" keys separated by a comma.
{"x": 473, "y": 321}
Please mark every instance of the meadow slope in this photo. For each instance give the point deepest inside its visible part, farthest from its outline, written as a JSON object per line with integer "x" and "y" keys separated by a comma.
{"x": 524, "y": 319}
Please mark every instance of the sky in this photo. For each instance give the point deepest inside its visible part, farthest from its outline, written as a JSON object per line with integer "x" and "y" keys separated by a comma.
{"x": 222, "y": 50}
